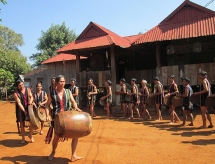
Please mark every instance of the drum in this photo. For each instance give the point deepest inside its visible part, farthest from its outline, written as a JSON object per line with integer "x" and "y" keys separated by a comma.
{"x": 167, "y": 100}
{"x": 102, "y": 102}
{"x": 195, "y": 99}
{"x": 176, "y": 101}
{"x": 41, "y": 112}
{"x": 128, "y": 98}
{"x": 33, "y": 117}
{"x": 210, "y": 102}
{"x": 150, "y": 101}
{"x": 72, "y": 124}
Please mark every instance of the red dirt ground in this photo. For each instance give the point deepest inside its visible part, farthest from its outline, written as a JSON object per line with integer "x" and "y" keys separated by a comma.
{"x": 113, "y": 141}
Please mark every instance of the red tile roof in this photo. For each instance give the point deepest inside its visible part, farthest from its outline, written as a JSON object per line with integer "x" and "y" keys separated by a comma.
{"x": 132, "y": 38}
{"x": 187, "y": 21}
{"x": 95, "y": 35}
{"x": 61, "y": 57}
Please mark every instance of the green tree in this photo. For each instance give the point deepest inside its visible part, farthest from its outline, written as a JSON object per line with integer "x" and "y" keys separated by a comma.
{"x": 51, "y": 40}
{"x": 11, "y": 58}
{"x": 6, "y": 81}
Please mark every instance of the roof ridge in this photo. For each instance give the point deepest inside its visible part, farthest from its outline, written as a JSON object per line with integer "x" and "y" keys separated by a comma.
{"x": 187, "y": 2}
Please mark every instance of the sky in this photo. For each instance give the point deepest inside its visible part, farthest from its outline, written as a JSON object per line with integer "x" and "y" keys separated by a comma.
{"x": 124, "y": 17}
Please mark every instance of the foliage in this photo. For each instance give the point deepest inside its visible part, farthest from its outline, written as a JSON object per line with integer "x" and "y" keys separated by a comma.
{"x": 11, "y": 58}
{"x": 51, "y": 40}
{"x": 6, "y": 81}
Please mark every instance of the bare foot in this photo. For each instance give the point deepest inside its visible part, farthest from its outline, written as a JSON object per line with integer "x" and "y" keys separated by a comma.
{"x": 75, "y": 158}
{"x": 190, "y": 124}
{"x": 51, "y": 156}
{"x": 41, "y": 132}
{"x": 32, "y": 139}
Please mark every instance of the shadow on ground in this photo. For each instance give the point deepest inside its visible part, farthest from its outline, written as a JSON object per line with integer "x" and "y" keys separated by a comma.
{"x": 35, "y": 159}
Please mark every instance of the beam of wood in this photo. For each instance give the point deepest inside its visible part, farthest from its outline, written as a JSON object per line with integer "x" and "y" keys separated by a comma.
{"x": 113, "y": 71}
{"x": 77, "y": 67}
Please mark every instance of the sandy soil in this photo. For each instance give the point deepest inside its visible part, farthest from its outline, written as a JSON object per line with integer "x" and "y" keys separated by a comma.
{"x": 113, "y": 141}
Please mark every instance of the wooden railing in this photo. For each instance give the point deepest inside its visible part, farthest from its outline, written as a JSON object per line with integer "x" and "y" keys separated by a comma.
{"x": 191, "y": 71}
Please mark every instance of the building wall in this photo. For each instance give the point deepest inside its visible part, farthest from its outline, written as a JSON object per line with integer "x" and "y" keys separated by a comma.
{"x": 66, "y": 68}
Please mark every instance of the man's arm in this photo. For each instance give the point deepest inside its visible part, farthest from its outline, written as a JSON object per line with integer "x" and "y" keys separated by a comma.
{"x": 48, "y": 109}
{"x": 204, "y": 90}
{"x": 74, "y": 104}
{"x": 76, "y": 92}
{"x": 185, "y": 93}
{"x": 19, "y": 103}
{"x": 159, "y": 91}
{"x": 30, "y": 97}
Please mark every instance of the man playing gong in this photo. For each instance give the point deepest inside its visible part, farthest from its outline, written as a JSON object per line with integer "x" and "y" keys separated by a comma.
{"x": 108, "y": 97}
{"x": 173, "y": 90}
{"x": 122, "y": 94}
{"x": 187, "y": 106}
{"x": 205, "y": 91}
{"x": 23, "y": 97}
{"x": 74, "y": 89}
{"x": 60, "y": 99}
{"x": 158, "y": 95}
{"x": 91, "y": 95}
{"x": 134, "y": 99}
{"x": 40, "y": 99}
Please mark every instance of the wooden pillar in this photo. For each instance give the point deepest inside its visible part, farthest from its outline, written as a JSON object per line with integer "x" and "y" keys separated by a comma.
{"x": 113, "y": 71}
{"x": 77, "y": 67}
{"x": 158, "y": 54}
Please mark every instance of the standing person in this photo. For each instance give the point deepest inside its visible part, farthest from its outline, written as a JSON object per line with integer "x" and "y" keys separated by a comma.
{"x": 75, "y": 90}
{"x": 108, "y": 97}
{"x": 60, "y": 101}
{"x": 173, "y": 90}
{"x": 134, "y": 99}
{"x": 91, "y": 94}
{"x": 158, "y": 94}
{"x": 205, "y": 91}
{"x": 144, "y": 93}
{"x": 122, "y": 94}
{"x": 40, "y": 99}
{"x": 187, "y": 106}
{"x": 53, "y": 85}
{"x": 23, "y": 97}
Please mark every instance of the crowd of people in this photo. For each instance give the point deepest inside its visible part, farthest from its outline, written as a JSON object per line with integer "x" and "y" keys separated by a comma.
{"x": 59, "y": 99}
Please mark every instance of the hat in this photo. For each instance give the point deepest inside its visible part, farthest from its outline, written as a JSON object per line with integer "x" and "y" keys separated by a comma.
{"x": 202, "y": 73}
{"x": 72, "y": 79}
{"x": 186, "y": 79}
{"x": 123, "y": 80}
{"x": 171, "y": 76}
{"x": 109, "y": 82}
{"x": 156, "y": 78}
{"x": 133, "y": 79}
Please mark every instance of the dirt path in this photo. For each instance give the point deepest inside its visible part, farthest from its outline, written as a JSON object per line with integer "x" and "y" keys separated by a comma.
{"x": 113, "y": 141}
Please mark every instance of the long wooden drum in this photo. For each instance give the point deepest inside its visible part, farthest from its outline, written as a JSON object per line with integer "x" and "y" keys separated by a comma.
{"x": 210, "y": 102}
{"x": 72, "y": 124}
{"x": 167, "y": 100}
{"x": 195, "y": 99}
{"x": 176, "y": 101}
{"x": 33, "y": 117}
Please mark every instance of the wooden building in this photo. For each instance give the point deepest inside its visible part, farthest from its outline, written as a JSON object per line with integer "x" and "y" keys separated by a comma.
{"x": 182, "y": 44}
{"x": 62, "y": 64}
